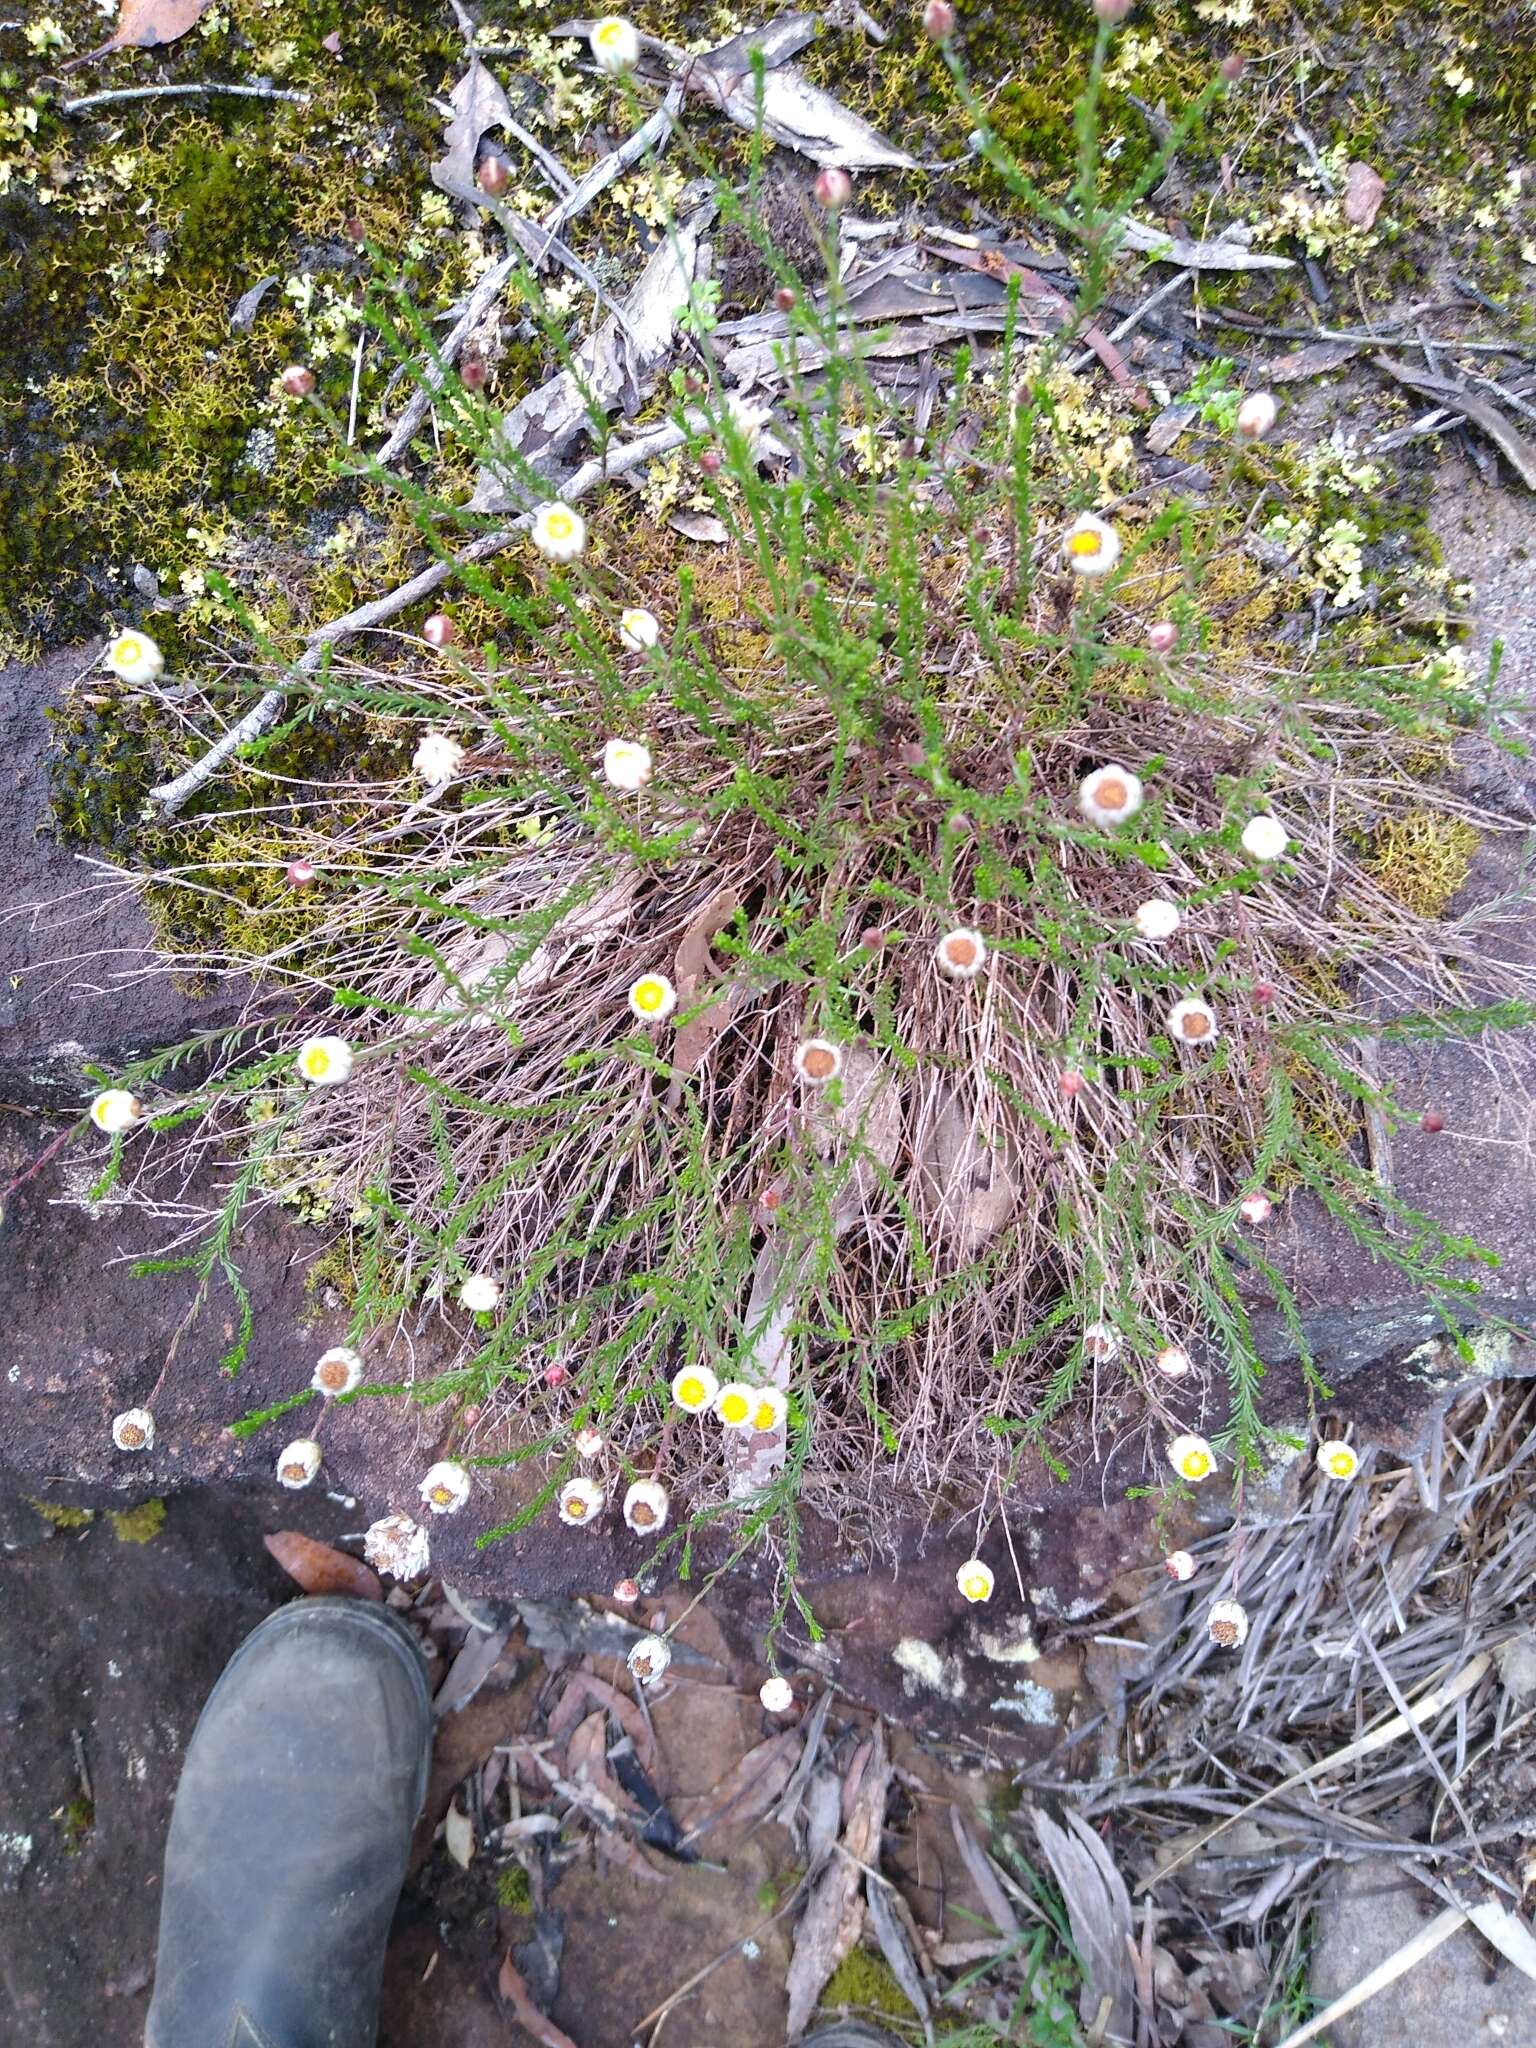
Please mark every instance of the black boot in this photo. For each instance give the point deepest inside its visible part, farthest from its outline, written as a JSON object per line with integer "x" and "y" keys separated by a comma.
{"x": 289, "y": 1834}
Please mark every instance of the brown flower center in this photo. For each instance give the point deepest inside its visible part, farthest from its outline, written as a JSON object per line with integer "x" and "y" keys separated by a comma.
{"x": 131, "y": 1435}
{"x": 642, "y": 1514}
{"x": 819, "y": 1063}
{"x": 334, "y": 1375}
{"x": 1196, "y": 1024}
{"x": 1110, "y": 792}
{"x": 1225, "y": 1633}
{"x": 960, "y": 951}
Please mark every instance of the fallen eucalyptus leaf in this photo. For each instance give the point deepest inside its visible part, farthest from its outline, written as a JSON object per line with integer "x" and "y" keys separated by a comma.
{"x": 478, "y": 104}
{"x": 146, "y": 24}
{"x": 459, "y": 1837}
{"x": 320, "y": 1569}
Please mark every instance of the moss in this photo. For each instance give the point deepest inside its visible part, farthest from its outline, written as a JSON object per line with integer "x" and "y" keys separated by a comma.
{"x": 76, "y": 1820}
{"x": 1422, "y": 859}
{"x": 513, "y": 1891}
{"x": 864, "y": 1982}
{"x": 137, "y": 1525}
{"x": 62, "y": 1517}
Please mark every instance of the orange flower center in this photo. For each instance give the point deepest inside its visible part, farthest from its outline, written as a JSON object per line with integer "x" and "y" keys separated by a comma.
{"x": 960, "y": 951}
{"x": 1196, "y": 1024}
{"x": 819, "y": 1064}
{"x": 642, "y": 1514}
{"x": 1110, "y": 793}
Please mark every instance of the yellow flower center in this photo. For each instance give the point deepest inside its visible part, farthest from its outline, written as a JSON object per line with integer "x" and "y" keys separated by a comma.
{"x": 441, "y": 1496}
{"x": 1086, "y": 543}
{"x": 690, "y": 1394}
{"x": 974, "y": 1587}
{"x": 1342, "y": 1463}
{"x": 648, "y": 995}
{"x": 316, "y": 1063}
{"x": 129, "y": 650}
{"x": 734, "y": 1408}
{"x": 575, "y": 1507}
{"x": 558, "y": 526}
{"x": 1196, "y": 1465}
{"x": 609, "y": 33}
{"x": 765, "y": 1416}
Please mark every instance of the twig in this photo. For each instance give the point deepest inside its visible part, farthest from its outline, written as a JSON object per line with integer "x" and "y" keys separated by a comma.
{"x": 489, "y": 288}
{"x": 171, "y": 92}
{"x": 170, "y": 796}
{"x": 1134, "y": 319}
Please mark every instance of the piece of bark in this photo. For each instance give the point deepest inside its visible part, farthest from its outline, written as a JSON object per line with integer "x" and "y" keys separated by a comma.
{"x": 834, "y": 1910}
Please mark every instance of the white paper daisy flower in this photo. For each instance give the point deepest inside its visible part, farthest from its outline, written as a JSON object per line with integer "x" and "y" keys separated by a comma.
{"x": 324, "y": 1062}
{"x": 627, "y": 764}
{"x": 297, "y": 1463}
{"x": 652, "y": 998}
{"x": 694, "y": 1389}
{"x": 1193, "y": 1022}
{"x": 645, "y": 1507}
{"x": 134, "y": 1430}
{"x": 975, "y": 1580}
{"x": 615, "y": 44}
{"x": 639, "y": 630}
{"x": 559, "y": 531}
{"x": 134, "y": 658}
{"x": 960, "y": 954}
{"x": 581, "y": 1502}
{"x": 115, "y": 1110}
{"x": 1110, "y": 795}
{"x": 1192, "y": 1458}
{"x": 1091, "y": 546}
{"x": 337, "y": 1371}
{"x": 445, "y": 1487}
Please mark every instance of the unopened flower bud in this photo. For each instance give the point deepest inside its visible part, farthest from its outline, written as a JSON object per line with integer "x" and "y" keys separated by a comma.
{"x": 472, "y": 373}
{"x": 710, "y": 461}
{"x": 1432, "y": 1121}
{"x": 1070, "y": 1083}
{"x": 1163, "y": 637}
{"x": 1256, "y": 416}
{"x": 297, "y": 380}
{"x": 939, "y": 20}
{"x": 784, "y": 299}
{"x": 1113, "y": 11}
{"x": 626, "y": 1592}
{"x": 833, "y": 187}
{"x": 493, "y": 177}
{"x": 1233, "y": 67}
{"x": 299, "y": 874}
{"x": 439, "y": 630}
{"x": 1180, "y": 1566}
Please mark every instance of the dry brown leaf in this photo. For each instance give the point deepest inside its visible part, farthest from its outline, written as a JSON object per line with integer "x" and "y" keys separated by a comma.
{"x": 695, "y": 964}
{"x": 320, "y": 1569}
{"x": 834, "y": 1911}
{"x": 586, "y": 1762}
{"x": 585, "y": 1687}
{"x": 509, "y": 1983}
{"x": 968, "y": 1174}
{"x": 1364, "y": 190}
{"x": 865, "y": 1124}
{"x": 145, "y": 24}
{"x": 747, "y": 1791}
{"x": 1099, "y": 1909}
{"x": 478, "y": 104}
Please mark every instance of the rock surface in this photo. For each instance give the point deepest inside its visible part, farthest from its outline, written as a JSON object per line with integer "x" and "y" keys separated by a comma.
{"x": 1464, "y": 1995}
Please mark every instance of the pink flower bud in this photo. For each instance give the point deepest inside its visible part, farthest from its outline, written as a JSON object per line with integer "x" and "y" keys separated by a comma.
{"x": 1070, "y": 1083}
{"x": 626, "y": 1592}
{"x": 300, "y": 873}
{"x": 1432, "y": 1121}
{"x": 1233, "y": 67}
{"x": 555, "y": 1375}
{"x": 1163, "y": 637}
{"x": 1256, "y": 1208}
{"x": 439, "y": 630}
{"x": 297, "y": 380}
{"x": 710, "y": 461}
{"x": 1264, "y": 992}
{"x": 784, "y": 299}
{"x": 1180, "y": 1566}
{"x": 472, "y": 374}
{"x": 1113, "y": 11}
{"x": 833, "y": 187}
{"x": 493, "y": 177}
{"x": 939, "y": 20}
{"x": 1256, "y": 416}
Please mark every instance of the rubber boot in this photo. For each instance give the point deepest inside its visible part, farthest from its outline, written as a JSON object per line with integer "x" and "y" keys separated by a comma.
{"x": 289, "y": 1834}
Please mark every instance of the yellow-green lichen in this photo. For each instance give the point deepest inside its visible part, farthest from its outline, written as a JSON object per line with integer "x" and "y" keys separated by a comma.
{"x": 138, "y": 1525}
{"x": 1422, "y": 859}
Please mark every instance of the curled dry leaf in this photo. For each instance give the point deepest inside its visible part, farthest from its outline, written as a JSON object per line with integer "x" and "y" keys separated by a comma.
{"x": 1099, "y": 1909}
{"x": 695, "y": 965}
{"x": 511, "y": 1987}
{"x": 317, "y": 1568}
